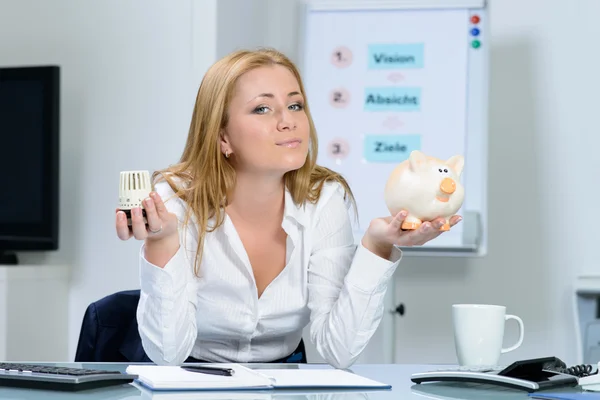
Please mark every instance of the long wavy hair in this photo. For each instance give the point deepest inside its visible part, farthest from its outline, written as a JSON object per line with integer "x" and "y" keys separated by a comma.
{"x": 204, "y": 176}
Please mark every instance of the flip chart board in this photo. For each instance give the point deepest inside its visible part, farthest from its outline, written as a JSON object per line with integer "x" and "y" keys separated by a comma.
{"x": 384, "y": 78}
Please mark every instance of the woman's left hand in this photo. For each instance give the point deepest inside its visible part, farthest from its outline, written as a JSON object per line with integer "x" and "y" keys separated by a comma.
{"x": 383, "y": 233}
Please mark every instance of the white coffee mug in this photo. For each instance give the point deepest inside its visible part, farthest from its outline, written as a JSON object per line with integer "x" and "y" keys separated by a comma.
{"x": 479, "y": 333}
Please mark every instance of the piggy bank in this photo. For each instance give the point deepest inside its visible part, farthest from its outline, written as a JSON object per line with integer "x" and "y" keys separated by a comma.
{"x": 427, "y": 188}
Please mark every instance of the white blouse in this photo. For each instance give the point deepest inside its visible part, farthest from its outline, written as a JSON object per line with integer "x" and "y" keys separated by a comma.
{"x": 328, "y": 281}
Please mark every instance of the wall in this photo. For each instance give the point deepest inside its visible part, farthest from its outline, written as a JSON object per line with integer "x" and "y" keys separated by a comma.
{"x": 241, "y": 24}
{"x": 130, "y": 71}
{"x": 541, "y": 97}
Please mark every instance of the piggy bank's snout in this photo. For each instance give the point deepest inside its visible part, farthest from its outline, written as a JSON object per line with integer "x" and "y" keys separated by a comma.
{"x": 448, "y": 186}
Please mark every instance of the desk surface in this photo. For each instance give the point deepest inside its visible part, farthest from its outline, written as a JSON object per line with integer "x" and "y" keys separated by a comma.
{"x": 397, "y": 375}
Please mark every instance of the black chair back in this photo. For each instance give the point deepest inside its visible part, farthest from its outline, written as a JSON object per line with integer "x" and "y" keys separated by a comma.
{"x": 109, "y": 332}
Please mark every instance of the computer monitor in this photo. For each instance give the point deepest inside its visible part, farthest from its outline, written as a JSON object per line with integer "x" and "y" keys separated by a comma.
{"x": 29, "y": 160}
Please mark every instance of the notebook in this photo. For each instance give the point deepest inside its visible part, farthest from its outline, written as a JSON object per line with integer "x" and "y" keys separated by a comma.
{"x": 157, "y": 377}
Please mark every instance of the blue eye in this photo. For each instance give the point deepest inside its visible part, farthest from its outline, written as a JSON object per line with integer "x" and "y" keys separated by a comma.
{"x": 264, "y": 109}
{"x": 258, "y": 109}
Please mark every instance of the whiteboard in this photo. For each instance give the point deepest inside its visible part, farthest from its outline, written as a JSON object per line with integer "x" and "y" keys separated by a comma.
{"x": 384, "y": 78}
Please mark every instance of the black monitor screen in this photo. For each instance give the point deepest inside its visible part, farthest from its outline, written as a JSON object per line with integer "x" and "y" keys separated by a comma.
{"x": 29, "y": 157}
{"x": 21, "y": 116}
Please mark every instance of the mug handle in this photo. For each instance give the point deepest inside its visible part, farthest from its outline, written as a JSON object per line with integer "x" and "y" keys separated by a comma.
{"x": 521, "y": 333}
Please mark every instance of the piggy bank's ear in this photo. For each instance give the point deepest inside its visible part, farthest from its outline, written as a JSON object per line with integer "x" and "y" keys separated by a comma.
{"x": 457, "y": 163}
{"x": 416, "y": 159}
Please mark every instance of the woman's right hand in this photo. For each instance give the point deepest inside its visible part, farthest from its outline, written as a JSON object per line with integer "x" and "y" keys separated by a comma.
{"x": 161, "y": 223}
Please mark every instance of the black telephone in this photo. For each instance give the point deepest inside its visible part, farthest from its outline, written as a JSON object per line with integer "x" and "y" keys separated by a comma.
{"x": 558, "y": 365}
{"x": 540, "y": 369}
{"x": 530, "y": 375}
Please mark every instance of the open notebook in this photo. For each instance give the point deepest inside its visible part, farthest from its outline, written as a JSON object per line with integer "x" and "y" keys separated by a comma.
{"x": 175, "y": 378}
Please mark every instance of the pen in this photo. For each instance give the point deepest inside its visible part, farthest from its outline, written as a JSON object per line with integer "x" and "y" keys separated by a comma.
{"x": 209, "y": 370}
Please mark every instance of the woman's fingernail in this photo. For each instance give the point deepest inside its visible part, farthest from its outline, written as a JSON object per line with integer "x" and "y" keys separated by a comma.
{"x": 136, "y": 211}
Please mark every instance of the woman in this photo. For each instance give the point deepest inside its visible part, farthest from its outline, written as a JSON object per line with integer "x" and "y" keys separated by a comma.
{"x": 248, "y": 240}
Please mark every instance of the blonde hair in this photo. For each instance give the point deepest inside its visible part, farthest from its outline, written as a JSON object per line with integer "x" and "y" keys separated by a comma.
{"x": 204, "y": 175}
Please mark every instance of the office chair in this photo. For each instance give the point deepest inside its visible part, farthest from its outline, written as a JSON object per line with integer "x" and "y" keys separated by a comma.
{"x": 109, "y": 330}
{"x": 109, "y": 333}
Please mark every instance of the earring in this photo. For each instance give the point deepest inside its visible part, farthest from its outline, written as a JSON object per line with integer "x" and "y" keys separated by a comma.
{"x": 226, "y": 153}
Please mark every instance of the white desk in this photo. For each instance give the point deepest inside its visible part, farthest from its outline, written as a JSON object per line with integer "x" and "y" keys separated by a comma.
{"x": 397, "y": 375}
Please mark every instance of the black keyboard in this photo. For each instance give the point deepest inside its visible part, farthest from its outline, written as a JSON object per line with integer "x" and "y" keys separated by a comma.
{"x": 39, "y": 376}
